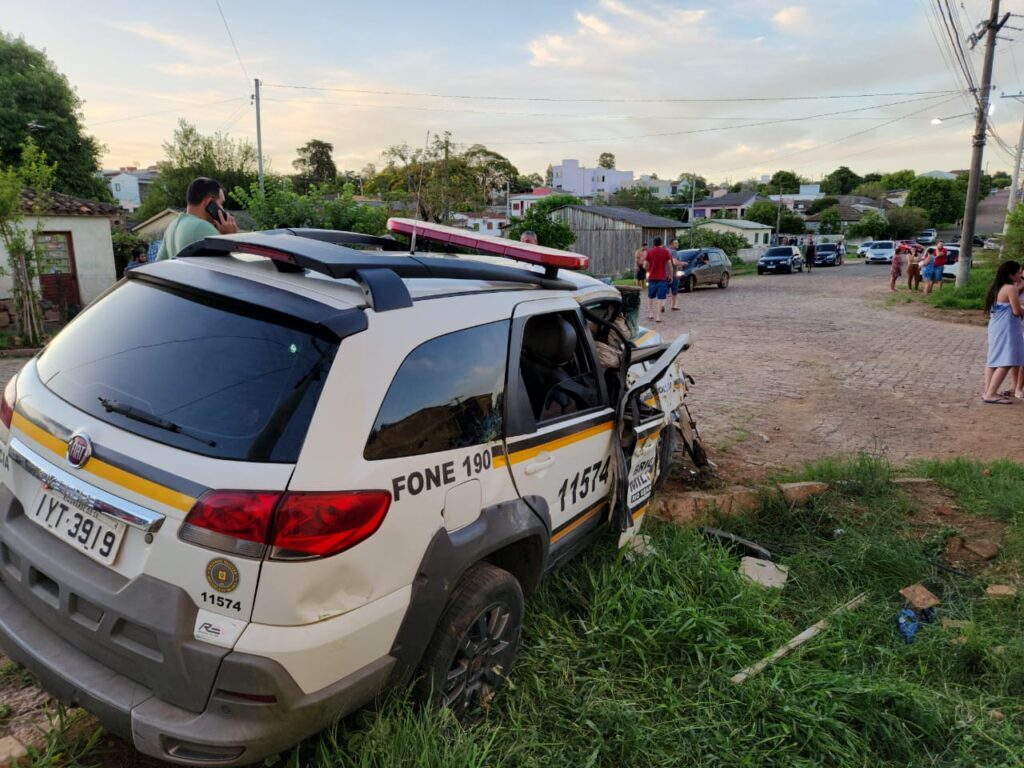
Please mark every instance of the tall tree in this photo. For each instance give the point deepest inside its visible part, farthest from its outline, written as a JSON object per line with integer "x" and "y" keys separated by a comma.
{"x": 840, "y": 182}
{"x": 873, "y": 189}
{"x": 639, "y": 198}
{"x": 941, "y": 199}
{"x": 37, "y": 101}
{"x": 550, "y": 232}
{"x": 766, "y": 212}
{"x": 821, "y": 204}
{"x": 606, "y": 160}
{"x": 905, "y": 222}
{"x": 830, "y": 222}
{"x": 898, "y": 179}
{"x": 494, "y": 172}
{"x": 314, "y": 163}
{"x": 190, "y": 154}
{"x": 788, "y": 180}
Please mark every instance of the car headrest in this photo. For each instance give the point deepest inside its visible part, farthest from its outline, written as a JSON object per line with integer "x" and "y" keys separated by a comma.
{"x": 549, "y": 339}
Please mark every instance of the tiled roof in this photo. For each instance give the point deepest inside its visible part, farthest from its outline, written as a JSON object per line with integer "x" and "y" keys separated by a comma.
{"x": 59, "y": 204}
{"x": 731, "y": 199}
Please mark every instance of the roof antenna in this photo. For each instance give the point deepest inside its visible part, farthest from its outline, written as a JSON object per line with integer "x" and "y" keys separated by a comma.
{"x": 419, "y": 190}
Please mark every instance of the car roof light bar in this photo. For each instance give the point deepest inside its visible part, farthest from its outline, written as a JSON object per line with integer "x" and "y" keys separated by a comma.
{"x": 551, "y": 258}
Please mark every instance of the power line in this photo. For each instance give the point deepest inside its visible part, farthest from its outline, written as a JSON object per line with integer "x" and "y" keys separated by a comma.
{"x": 605, "y": 100}
{"x": 231, "y": 37}
{"x": 167, "y": 111}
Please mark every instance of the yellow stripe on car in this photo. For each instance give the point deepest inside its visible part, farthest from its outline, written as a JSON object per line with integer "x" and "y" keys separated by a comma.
{"x": 110, "y": 473}
{"x": 561, "y": 442}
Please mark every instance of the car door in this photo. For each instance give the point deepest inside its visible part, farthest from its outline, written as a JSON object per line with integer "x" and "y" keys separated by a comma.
{"x": 559, "y": 422}
{"x": 701, "y": 268}
{"x": 717, "y": 266}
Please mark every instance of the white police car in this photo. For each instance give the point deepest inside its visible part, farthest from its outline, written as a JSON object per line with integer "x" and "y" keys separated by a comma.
{"x": 249, "y": 488}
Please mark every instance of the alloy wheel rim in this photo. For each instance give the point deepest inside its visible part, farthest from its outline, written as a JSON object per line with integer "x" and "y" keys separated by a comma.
{"x": 480, "y": 663}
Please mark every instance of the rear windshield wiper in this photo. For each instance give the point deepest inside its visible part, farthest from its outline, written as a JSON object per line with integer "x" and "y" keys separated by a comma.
{"x": 148, "y": 418}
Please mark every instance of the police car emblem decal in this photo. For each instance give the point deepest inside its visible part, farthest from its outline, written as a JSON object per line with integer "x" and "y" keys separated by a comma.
{"x": 79, "y": 450}
{"x": 222, "y": 574}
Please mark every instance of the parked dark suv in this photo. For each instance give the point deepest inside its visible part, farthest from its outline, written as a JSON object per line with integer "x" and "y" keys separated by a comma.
{"x": 703, "y": 266}
{"x": 827, "y": 255}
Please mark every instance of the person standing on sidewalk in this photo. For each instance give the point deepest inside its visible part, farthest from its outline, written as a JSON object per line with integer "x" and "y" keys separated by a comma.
{"x": 896, "y": 268}
{"x": 657, "y": 264}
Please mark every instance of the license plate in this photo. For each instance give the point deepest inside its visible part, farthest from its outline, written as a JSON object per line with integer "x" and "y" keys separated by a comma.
{"x": 769, "y": 266}
{"x": 94, "y": 535}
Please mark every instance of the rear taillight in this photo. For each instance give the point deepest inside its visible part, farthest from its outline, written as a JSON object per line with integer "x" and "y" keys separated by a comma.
{"x": 231, "y": 521}
{"x": 9, "y": 399}
{"x": 324, "y": 524}
{"x": 296, "y": 526}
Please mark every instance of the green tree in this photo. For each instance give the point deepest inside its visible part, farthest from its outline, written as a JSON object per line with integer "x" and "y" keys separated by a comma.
{"x": 1001, "y": 180}
{"x": 905, "y": 222}
{"x": 872, "y": 189}
{"x": 554, "y": 233}
{"x": 189, "y": 154}
{"x": 320, "y": 208}
{"x": 821, "y": 204}
{"x": 606, "y": 160}
{"x": 840, "y": 182}
{"x": 314, "y": 164}
{"x": 830, "y": 222}
{"x": 868, "y": 178}
{"x": 871, "y": 225}
{"x": 1013, "y": 244}
{"x": 26, "y": 256}
{"x": 788, "y": 180}
{"x": 766, "y": 212}
{"x": 494, "y": 172}
{"x": 640, "y": 198}
{"x": 683, "y": 190}
{"x": 898, "y": 179}
{"x": 527, "y": 182}
{"x": 37, "y": 101}
{"x": 941, "y": 199}
{"x": 702, "y": 237}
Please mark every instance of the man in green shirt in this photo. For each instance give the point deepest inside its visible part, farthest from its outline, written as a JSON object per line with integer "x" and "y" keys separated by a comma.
{"x": 197, "y": 221}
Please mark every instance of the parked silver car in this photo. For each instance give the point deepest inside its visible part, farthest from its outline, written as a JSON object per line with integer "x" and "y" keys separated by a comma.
{"x": 703, "y": 266}
{"x": 881, "y": 251}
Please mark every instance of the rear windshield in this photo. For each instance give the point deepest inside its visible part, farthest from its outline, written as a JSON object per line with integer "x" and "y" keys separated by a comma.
{"x": 233, "y": 387}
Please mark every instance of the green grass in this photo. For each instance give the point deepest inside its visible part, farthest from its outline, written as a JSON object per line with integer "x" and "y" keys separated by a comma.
{"x": 743, "y": 267}
{"x": 627, "y": 663}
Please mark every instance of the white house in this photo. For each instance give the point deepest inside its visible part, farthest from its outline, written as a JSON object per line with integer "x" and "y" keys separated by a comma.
{"x": 520, "y": 203}
{"x": 575, "y": 179}
{"x": 662, "y": 188}
{"x": 130, "y": 185}
{"x": 755, "y": 232}
{"x": 485, "y": 223}
{"x": 79, "y": 249}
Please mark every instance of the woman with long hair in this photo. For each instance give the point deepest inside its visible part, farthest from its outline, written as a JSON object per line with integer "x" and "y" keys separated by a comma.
{"x": 1005, "y": 337}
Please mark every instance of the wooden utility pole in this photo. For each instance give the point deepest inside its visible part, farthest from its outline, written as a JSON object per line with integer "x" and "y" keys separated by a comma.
{"x": 992, "y": 27}
{"x": 259, "y": 137}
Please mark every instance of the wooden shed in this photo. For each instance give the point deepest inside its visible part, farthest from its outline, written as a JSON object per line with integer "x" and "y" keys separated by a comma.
{"x": 610, "y": 235}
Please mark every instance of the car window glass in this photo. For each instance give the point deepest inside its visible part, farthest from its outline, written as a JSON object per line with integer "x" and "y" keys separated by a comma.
{"x": 447, "y": 394}
{"x": 236, "y": 387}
{"x": 556, "y": 369}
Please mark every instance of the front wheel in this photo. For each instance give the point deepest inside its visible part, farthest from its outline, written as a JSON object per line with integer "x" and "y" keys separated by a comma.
{"x": 474, "y": 644}
{"x": 689, "y": 284}
{"x": 724, "y": 282}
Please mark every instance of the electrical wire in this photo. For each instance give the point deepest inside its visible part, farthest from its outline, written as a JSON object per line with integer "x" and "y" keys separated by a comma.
{"x": 604, "y": 100}
{"x": 245, "y": 73}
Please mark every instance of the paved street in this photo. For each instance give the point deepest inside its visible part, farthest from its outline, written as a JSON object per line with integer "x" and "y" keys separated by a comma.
{"x": 796, "y": 367}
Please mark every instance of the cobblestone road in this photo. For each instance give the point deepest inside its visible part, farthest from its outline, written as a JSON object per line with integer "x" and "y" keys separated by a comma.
{"x": 796, "y": 367}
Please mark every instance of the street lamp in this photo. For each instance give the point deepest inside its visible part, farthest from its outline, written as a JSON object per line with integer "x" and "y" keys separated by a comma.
{"x": 941, "y": 120}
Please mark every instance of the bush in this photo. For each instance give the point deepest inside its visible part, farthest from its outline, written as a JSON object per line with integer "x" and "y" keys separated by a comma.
{"x": 708, "y": 238}
{"x": 281, "y": 206}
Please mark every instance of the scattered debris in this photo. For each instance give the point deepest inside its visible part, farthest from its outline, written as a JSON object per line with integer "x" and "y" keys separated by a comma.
{"x": 996, "y": 715}
{"x": 796, "y": 642}
{"x": 943, "y": 510}
{"x": 1001, "y": 592}
{"x": 732, "y": 540}
{"x": 764, "y": 572}
{"x": 640, "y": 546}
{"x": 911, "y": 482}
{"x": 801, "y": 494}
{"x": 919, "y": 596}
{"x": 955, "y": 623}
{"x": 986, "y": 549}
{"x": 765, "y": 437}
{"x": 907, "y": 624}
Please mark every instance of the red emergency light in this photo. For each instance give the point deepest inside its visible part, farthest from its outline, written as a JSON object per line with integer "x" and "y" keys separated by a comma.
{"x": 495, "y": 246}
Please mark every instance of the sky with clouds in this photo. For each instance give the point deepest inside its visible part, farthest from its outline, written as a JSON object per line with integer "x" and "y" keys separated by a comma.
{"x": 668, "y": 87}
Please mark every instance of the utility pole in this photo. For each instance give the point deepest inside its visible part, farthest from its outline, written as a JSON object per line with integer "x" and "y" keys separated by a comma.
{"x": 693, "y": 202}
{"x": 1011, "y": 200}
{"x": 778, "y": 215}
{"x": 446, "y": 177}
{"x": 992, "y": 27}
{"x": 259, "y": 138}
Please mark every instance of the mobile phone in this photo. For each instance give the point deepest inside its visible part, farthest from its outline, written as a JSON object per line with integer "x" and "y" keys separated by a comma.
{"x": 215, "y": 211}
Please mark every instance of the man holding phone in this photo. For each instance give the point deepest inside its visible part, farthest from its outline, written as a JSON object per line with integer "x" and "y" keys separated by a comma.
{"x": 204, "y": 216}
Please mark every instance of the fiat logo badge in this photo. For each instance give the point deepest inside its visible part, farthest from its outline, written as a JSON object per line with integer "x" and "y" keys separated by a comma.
{"x": 79, "y": 450}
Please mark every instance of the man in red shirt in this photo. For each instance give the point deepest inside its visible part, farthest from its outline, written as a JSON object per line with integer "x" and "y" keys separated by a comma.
{"x": 657, "y": 264}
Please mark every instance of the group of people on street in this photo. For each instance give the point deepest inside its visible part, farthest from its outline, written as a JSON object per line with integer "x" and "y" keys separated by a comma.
{"x": 930, "y": 267}
{"x": 1005, "y": 336}
{"x": 657, "y": 266}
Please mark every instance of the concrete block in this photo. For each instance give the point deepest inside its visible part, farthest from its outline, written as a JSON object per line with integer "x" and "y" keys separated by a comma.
{"x": 743, "y": 499}
{"x": 801, "y": 494}
{"x": 10, "y": 750}
{"x": 764, "y": 572}
{"x": 1001, "y": 592}
{"x": 919, "y": 597}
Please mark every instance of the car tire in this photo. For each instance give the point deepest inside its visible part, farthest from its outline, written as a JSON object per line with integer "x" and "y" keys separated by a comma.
{"x": 666, "y": 452}
{"x": 724, "y": 281}
{"x": 474, "y": 645}
{"x": 689, "y": 284}
{"x": 760, "y": 271}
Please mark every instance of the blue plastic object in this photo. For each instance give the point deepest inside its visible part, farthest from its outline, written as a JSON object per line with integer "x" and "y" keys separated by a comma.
{"x": 907, "y": 624}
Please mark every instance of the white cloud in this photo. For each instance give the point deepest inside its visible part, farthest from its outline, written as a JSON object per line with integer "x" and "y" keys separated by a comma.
{"x": 794, "y": 19}
{"x": 188, "y": 46}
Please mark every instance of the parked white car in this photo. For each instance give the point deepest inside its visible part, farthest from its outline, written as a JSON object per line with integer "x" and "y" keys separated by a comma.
{"x": 862, "y": 249}
{"x": 881, "y": 251}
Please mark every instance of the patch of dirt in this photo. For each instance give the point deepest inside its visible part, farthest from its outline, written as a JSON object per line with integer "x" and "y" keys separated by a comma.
{"x": 960, "y": 316}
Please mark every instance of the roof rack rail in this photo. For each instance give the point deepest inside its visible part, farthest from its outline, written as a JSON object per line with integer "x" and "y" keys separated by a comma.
{"x": 379, "y": 274}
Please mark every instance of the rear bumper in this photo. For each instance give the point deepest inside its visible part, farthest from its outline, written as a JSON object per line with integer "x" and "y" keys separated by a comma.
{"x": 229, "y": 731}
